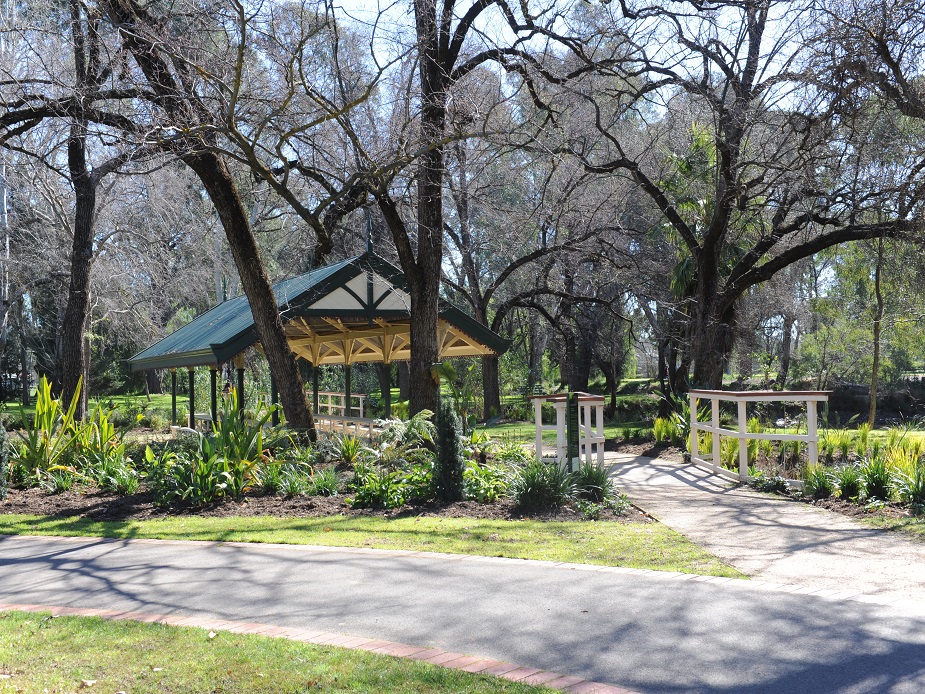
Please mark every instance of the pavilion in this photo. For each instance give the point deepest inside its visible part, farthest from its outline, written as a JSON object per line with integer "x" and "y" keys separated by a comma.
{"x": 354, "y": 311}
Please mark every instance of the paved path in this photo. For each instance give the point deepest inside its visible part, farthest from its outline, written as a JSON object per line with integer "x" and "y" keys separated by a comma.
{"x": 770, "y": 537}
{"x": 647, "y": 631}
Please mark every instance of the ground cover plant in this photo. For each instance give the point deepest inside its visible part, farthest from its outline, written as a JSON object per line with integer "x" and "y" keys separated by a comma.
{"x": 39, "y": 653}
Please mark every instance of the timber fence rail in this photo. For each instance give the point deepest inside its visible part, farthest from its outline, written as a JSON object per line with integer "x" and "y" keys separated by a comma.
{"x": 811, "y": 398}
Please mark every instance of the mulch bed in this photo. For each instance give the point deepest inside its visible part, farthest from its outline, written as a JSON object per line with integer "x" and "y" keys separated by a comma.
{"x": 96, "y": 505}
{"x": 849, "y": 508}
{"x": 648, "y": 449}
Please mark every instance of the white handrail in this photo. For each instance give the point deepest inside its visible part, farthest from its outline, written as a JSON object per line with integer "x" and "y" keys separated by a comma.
{"x": 811, "y": 397}
{"x": 332, "y": 402}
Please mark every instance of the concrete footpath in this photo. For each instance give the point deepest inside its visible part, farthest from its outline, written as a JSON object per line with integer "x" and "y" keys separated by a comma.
{"x": 772, "y": 538}
{"x": 643, "y": 630}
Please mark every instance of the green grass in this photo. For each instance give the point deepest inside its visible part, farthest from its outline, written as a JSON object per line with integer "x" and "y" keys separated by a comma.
{"x": 525, "y": 432}
{"x": 636, "y": 545}
{"x": 913, "y": 527}
{"x": 43, "y": 654}
{"x": 162, "y": 402}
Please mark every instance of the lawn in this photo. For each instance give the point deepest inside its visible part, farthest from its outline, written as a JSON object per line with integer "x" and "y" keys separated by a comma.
{"x": 913, "y": 527}
{"x": 42, "y": 654}
{"x": 635, "y": 545}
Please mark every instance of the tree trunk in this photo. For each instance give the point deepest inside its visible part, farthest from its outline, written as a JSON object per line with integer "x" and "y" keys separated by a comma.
{"x": 878, "y": 319}
{"x": 153, "y": 381}
{"x": 581, "y": 371}
{"x": 404, "y": 380}
{"x": 786, "y": 348}
{"x": 220, "y": 186}
{"x": 713, "y": 339}
{"x": 424, "y": 272}
{"x": 72, "y": 354}
{"x": 538, "y": 339}
{"x": 491, "y": 388}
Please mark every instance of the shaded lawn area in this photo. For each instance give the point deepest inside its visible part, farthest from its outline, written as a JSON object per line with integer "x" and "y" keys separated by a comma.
{"x": 608, "y": 543}
{"x": 39, "y": 653}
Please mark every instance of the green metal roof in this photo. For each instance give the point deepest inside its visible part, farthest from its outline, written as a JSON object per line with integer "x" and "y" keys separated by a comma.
{"x": 228, "y": 329}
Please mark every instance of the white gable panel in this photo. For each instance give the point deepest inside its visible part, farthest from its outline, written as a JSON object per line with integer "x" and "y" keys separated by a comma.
{"x": 340, "y": 300}
{"x": 398, "y": 300}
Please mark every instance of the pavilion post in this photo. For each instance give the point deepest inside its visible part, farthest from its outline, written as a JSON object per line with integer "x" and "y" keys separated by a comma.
{"x": 192, "y": 397}
{"x": 173, "y": 397}
{"x": 274, "y": 400}
{"x": 387, "y": 395}
{"x": 315, "y": 369}
{"x": 213, "y": 382}
{"x": 348, "y": 411}
{"x": 239, "y": 363}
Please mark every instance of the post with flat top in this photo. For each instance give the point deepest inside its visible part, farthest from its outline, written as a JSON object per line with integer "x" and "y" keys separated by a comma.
{"x": 695, "y": 435}
{"x": 173, "y": 397}
{"x": 812, "y": 446}
{"x": 743, "y": 443}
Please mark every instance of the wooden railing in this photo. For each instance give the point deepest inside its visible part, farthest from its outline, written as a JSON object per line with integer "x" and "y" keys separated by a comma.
{"x": 333, "y": 403}
{"x": 361, "y": 427}
{"x": 590, "y": 441}
{"x": 811, "y": 397}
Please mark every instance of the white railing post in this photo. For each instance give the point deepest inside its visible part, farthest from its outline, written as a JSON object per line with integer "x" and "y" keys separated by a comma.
{"x": 743, "y": 443}
{"x": 714, "y": 424}
{"x": 695, "y": 436}
{"x": 599, "y": 410}
{"x": 812, "y": 446}
{"x": 538, "y": 410}
{"x": 561, "y": 442}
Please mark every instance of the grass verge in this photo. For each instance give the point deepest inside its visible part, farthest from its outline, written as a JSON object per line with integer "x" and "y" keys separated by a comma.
{"x": 39, "y": 653}
{"x": 636, "y": 545}
{"x": 913, "y": 527}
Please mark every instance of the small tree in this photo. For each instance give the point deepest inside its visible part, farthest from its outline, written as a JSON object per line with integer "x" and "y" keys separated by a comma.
{"x": 4, "y": 461}
{"x": 448, "y": 473}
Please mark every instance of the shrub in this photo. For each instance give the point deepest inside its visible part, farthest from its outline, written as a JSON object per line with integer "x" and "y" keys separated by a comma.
{"x": 540, "y": 486}
{"x": 592, "y": 510}
{"x": 324, "y": 482}
{"x": 4, "y": 461}
{"x": 294, "y": 481}
{"x": 775, "y": 484}
{"x": 377, "y": 489}
{"x": 818, "y": 482}
{"x": 910, "y": 487}
{"x": 113, "y": 472}
{"x": 57, "y": 479}
{"x": 878, "y": 482}
{"x": 484, "y": 483}
{"x": 665, "y": 430}
{"x": 849, "y": 482}
{"x": 270, "y": 476}
{"x": 450, "y": 463}
{"x": 862, "y": 440}
{"x": 592, "y": 482}
{"x": 49, "y": 440}
{"x": 512, "y": 453}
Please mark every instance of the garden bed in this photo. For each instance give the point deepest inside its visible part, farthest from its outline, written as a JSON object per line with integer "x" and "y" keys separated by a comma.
{"x": 97, "y": 505}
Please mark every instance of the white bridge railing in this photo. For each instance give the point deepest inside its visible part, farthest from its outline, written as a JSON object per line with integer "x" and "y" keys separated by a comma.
{"x": 331, "y": 403}
{"x": 359, "y": 427}
{"x": 741, "y": 398}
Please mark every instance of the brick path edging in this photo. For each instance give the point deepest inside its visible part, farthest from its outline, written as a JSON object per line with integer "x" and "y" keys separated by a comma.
{"x": 434, "y": 656}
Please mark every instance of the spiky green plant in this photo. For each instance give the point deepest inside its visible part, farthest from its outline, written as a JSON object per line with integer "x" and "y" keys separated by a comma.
{"x": 818, "y": 482}
{"x": 848, "y": 479}
{"x": 877, "y": 479}
{"x": 862, "y": 439}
